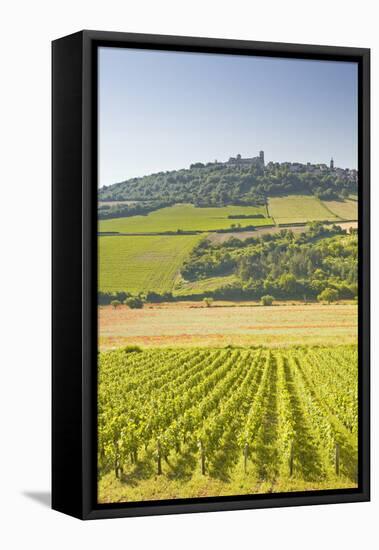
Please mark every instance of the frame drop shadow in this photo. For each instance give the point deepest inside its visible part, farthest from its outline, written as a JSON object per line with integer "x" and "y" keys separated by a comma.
{"x": 41, "y": 497}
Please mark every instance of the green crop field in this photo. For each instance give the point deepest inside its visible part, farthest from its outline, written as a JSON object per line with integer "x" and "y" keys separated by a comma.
{"x": 188, "y": 288}
{"x": 346, "y": 210}
{"x": 298, "y": 209}
{"x": 186, "y": 217}
{"x": 175, "y": 423}
{"x": 141, "y": 263}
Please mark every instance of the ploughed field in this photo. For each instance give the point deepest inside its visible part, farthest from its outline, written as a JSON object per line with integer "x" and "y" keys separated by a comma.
{"x": 197, "y": 422}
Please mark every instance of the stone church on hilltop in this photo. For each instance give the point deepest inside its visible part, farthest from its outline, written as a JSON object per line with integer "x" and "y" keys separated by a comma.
{"x": 239, "y": 161}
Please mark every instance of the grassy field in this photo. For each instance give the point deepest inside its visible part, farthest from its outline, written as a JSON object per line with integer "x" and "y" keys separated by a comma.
{"x": 185, "y": 217}
{"x": 227, "y": 323}
{"x": 298, "y": 209}
{"x": 141, "y": 263}
{"x": 188, "y": 288}
{"x": 346, "y": 210}
{"x": 226, "y": 422}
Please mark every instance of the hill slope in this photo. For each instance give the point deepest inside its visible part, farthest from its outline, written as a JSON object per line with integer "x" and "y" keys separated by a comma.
{"x": 219, "y": 184}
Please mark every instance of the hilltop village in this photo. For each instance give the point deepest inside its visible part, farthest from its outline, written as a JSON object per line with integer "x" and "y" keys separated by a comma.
{"x": 294, "y": 167}
{"x": 236, "y": 181}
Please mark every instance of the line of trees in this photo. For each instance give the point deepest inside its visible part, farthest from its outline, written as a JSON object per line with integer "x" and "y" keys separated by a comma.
{"x": 134, "y": 301}
{"x": 122, "y": 210}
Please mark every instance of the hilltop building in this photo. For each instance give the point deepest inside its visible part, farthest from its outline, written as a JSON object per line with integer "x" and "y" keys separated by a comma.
{"x": 320, "y": 169}
{"x": 249, "y": 161}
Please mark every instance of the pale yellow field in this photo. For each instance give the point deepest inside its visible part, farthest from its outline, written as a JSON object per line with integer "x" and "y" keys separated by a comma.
{"x": 298, "y": 209}
{"x": 346, "y": 210}
{"x": 218, "y": 238}
{"x": 192, "y": 324}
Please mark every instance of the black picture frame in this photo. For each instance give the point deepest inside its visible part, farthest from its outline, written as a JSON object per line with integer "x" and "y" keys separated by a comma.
{"x": 74, "y": 272}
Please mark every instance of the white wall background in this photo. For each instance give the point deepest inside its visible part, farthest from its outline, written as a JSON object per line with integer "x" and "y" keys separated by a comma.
{"x": 26, "y": 31}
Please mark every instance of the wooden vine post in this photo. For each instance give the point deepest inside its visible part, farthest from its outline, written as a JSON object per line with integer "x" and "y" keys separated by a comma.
{"x": 337, "y": 459}
{"x": 202, "y": 457}
{"x": 117, "y": 465}
{"x": 118, "y": 468}
{"x": 291, "y": 460}
{"x": 159, "y": 458}
{"x": 245, "y": 456}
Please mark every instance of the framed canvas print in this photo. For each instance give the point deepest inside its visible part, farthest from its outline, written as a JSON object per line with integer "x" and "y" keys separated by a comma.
{"x": 210, "y": 274}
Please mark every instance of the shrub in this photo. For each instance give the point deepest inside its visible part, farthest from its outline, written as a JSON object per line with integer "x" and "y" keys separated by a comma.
{"x": 328, "y": 295}
{"x": 156, "y": 297}
{"x": 134, "y": 302}
{"x": 208, "y": 301}
{"x": 115, "y": 303}
{"x": 105, "y": 298}
{"x": 267, "y": 300}
{"x": 131, "y": 349}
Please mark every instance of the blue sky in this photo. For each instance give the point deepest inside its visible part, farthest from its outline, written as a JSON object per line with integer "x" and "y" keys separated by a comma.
{"x": 164, "y": 110}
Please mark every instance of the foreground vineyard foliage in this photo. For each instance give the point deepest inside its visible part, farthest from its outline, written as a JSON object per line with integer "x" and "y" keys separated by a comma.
{"x": 195, "y": 422}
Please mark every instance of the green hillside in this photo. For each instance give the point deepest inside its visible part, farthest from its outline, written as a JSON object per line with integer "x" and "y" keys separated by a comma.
{"x": 215, "y": 184}
{"x": 283, "y": 265}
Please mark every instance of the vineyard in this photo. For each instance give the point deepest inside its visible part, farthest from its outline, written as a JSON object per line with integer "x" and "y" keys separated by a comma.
{"x": 195, "y": 422}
